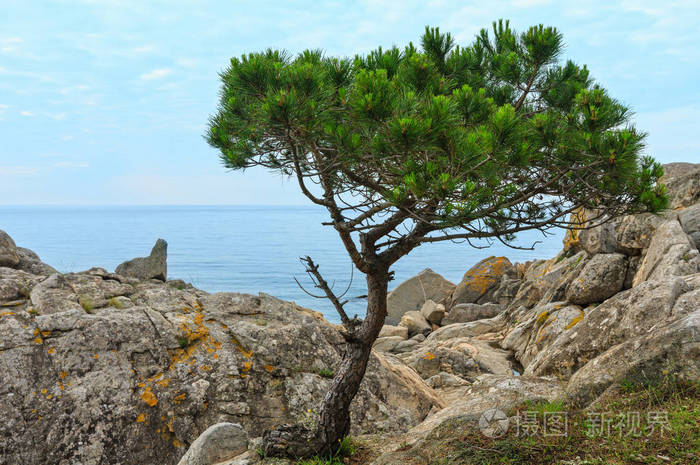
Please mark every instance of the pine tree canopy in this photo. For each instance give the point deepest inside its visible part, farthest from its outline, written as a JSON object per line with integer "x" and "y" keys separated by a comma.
{"x": 438, "y": 142}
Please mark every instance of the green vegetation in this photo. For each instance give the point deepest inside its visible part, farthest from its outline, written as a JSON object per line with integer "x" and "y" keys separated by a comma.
{"x": 326, "y": 373}
{"x": 347, "y": 448}
{"x": 183, "y": 342}
{"x": 114, "y": 302}
{"x": 87, "y": 305}
{"x": 674, "y": 440}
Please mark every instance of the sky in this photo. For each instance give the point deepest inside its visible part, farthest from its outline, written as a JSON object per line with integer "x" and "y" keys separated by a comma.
{"x": 105, "y": 102}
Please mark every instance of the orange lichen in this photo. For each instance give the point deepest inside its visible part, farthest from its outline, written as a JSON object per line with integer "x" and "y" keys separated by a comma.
{"x": 205, "y": 368}
{"x": 51, "y": 351}
{"x": 241, "y": 349}
{"x": 269, "y": 368}
{"x": 575, "y": 320}
{"x": 428, "y": 356}
{"x": 148, "y": 397}
{"x": 46, "y": 333}
{"x": 62, "y": 374}
{"x": 480, "y": 278}
{"x": 7, "y": 313}
{"x": 179, "y": 398}
{"x": 44, "y": 391}
{"x": 96, "y": 356}
{"x": 163, "y": 382}
{"x": 177, "y": 443}
{"x": 38, "y": 340}
{"x": 141, "y": 418}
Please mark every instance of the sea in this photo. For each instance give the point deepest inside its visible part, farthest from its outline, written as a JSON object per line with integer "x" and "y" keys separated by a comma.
{"x": 248, "y": 249}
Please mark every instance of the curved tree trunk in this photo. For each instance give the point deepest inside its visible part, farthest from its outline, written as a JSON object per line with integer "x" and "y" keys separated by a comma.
{"x": 334, "y": 417}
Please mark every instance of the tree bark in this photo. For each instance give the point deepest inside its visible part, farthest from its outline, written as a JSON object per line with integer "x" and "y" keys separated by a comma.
{"x": 333, "y": 425}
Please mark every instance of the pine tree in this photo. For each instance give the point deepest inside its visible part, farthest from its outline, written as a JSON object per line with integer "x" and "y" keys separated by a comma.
{"x": 409, "y": 146}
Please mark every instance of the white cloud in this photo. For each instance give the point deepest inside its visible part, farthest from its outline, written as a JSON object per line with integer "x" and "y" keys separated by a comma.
{"x": 3, "y": 106}
{"x": 9, "y": 44}
{"x": 155, "y": 74}
{"x": 529, "y": 3}
{"x": 18, "y": 170}
{"x": 67, "y": 137}
{"x": 69, "y": 164}
{"x": 26, "y": 113}
{"x": 144, "y": 49}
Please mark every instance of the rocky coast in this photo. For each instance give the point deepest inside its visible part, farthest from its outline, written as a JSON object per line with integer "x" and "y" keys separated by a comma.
{"x": 129, "y": 367}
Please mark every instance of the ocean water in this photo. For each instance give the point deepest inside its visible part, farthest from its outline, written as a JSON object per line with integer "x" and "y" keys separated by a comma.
{"x": 234, "y": 248}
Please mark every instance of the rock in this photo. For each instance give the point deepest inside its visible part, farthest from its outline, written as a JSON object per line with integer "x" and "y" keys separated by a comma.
{"x": 139, "y": 384}
{"x": 480, "y": 281}
{"x": 406, "y": 346}
{"x": 433, "y": 312}
{"x": 502, "y": 392}
{"x": 600, "y": 239}
{"x": 682, "y": 182}
{"x": 389, "y": 330}
{"x": 546, "y": 281}
{"x": 463, "y": 357}
{"x": 464, "y": 313}
{"x": 601, "y": 277}
{"x": 388, "y": 343}
{"x": 8, "y": 251}
{"x": 670, "y": 253}
{"x": 634, "y": 232}
{"x": 689, "y": 219}
{"x": 671, "y": 350}
{"x": 416, "y": 323}
{"x": 54, "y": 295}
{"x": 152, "y": 267}
{"x": 412, "y": 293}
{"x": 624, "y": 316}
{"x": 219, "y": 442}
{"x": 539, "y": 327}
{"x": 418, "y": 338}
{"x": 444, "y": 379}
{"x": 473, "y": 328}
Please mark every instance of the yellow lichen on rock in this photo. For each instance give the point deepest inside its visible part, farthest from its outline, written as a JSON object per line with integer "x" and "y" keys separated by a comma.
{"x": 148, "y": 397}
{"x": 575, "y": 320}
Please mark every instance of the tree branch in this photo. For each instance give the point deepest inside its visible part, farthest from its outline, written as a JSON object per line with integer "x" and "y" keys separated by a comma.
{"x": 319, "y": 282}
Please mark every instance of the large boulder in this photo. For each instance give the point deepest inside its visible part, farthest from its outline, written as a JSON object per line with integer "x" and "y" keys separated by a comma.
{"x": 433, "y": 312}
{"x": 414, "y": 292}
{"x": 464, "y": 313}
{"x": 502, "y": 392}
{"x": 139, "y": 384}
{"x": 670, "y": 350}
{"x": 600, "y": 239}
{"x": 8, "y": 251}
{"x": 671, "y": 253}
{"x": 464, "y": 357}
{"x": 689, "y": 219}
{"x": 539, "y": 327}
{"x": 389, "y": 331}
{"x": 480, "y": 282}
{"x": 416, "y": 323}
{"x": 219, "y": 442}
{"x": 155, "y": 266}
{"x": 602, "y": 277}
{"x": 547, "y": 281}
{"x": 626, "y": 315}
{"x": 682, "y": 182}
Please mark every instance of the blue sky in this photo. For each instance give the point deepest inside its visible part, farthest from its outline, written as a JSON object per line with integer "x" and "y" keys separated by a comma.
{"x": 105, "y": 102}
